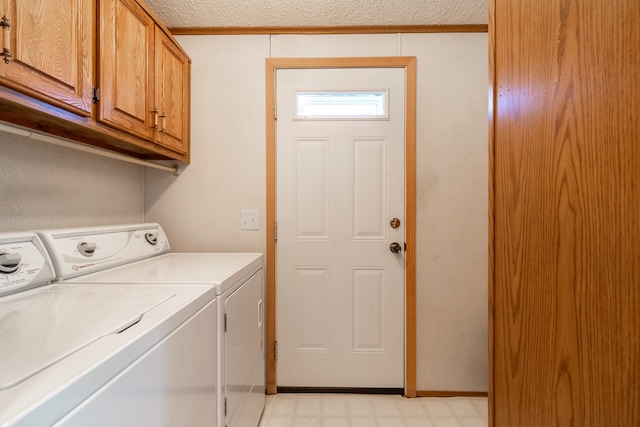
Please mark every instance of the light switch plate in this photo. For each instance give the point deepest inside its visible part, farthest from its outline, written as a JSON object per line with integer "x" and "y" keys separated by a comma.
{"x": 250, "y": 219}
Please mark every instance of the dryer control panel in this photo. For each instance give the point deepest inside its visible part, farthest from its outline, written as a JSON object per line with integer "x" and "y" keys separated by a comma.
{"x": 76, "y": 252}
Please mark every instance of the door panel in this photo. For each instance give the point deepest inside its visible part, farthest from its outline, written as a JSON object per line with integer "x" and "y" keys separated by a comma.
{"x": 340, "y": 299}
{"x": 368, "y": 178}
{"x": 368, "y": 301}
{"x": 58, "y": 59}
{"x": 312, "y": 189}
{"x": 312, "y": 307}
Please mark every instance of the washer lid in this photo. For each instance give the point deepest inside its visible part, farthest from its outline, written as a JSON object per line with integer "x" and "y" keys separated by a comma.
{"x": 44, "y": 325}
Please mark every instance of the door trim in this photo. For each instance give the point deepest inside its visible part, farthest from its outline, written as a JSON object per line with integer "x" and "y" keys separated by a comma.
{"x": 409, "y": 64}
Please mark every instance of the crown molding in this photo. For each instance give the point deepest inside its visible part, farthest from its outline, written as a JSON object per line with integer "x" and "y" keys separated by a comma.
{"x": 381, "y": 29}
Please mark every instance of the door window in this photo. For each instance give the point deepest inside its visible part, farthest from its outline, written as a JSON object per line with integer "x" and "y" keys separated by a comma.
{"x": 341, "y": 105}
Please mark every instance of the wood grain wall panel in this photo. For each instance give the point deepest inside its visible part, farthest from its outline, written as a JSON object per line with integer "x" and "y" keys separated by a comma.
{"x": 566, "y": 294}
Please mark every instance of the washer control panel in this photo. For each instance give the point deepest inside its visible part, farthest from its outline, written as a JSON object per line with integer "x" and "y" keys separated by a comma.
{"x": 9, "y": 262}
{"x": 24, "y": 263}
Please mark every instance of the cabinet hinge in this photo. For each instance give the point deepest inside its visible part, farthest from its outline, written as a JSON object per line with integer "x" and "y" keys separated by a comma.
{"x": 6, "y": 48}
{"x": 275, "y": 231}
{"x": 225, "y": 322}
{"x": 275, "y": 111}
{"x": 96, "y": 95}
{"x": 275, "y": 350}
{"x": 225, "y": 406}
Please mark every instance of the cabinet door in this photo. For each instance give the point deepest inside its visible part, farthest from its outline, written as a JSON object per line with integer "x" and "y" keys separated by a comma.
{"x": 172, "y": 94}
{"x": 126, "y": 68}
{"x": 51, "y": 51}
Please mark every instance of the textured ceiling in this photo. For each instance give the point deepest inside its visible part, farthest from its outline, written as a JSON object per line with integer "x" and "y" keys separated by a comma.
{"x": 318, "y": 13}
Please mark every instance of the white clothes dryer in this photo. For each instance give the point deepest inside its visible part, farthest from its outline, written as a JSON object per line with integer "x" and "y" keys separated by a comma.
{"x": 65, "y": 347}
{"x": 105, "y": 255}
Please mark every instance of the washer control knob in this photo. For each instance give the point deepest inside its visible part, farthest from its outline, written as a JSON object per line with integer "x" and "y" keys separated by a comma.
{"x": 9, "y": 263}
{"x": 87, "y": 249}
{"x": 152, "y": 237}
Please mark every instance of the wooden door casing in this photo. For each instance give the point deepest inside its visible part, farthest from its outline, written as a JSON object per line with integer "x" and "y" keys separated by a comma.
{"x": 565, "y": 300}
{"x": 273, "y": 64}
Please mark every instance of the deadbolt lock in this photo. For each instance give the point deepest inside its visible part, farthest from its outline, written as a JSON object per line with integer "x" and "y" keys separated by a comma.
{"x": 394, "y": 223}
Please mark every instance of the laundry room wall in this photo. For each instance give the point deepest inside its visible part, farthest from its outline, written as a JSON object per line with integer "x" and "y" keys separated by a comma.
{"x": 47, "y": 186}
{"x": 200, "y": 209}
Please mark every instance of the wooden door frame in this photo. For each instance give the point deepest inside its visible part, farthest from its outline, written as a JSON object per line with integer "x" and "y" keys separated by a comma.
{"x": 409, "y": 64}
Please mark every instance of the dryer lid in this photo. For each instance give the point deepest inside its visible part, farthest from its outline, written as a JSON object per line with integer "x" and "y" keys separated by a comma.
{"x": 221, "y": 270}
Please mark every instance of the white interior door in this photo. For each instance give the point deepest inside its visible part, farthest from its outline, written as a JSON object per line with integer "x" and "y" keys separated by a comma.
{"x": 340, "y": 182}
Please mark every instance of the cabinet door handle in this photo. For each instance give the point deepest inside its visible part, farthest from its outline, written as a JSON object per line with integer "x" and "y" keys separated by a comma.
{"x": 164, "y": 124}
{"x": 6, "y": 38}
{"x": 155, "y": 119}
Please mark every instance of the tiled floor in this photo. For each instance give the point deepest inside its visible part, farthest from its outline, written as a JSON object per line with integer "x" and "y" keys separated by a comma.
{"x": 354, "y": 410}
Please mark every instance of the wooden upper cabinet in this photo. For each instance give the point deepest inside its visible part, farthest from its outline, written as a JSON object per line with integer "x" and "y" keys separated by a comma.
{"x": 126, "y": 68}
{"x": 109, "y": 75}
{"x": 172, "y": 94}
{"x": 144, "y": 77}
{"x": 48, "y": 51}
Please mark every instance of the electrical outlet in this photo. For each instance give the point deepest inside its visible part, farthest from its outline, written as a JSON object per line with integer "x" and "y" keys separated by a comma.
{"x": 250, "y": 219}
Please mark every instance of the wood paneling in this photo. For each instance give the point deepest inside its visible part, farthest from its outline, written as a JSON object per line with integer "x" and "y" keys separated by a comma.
{"x": 566, "y": 293}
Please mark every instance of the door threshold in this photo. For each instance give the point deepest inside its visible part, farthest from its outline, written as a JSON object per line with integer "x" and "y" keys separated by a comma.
{"x": 341, "y": 390}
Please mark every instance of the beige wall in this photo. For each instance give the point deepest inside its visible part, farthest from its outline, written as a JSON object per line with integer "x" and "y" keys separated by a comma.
{"x": 452, "y": 210}
{"x": 46, "y": 186}
{"x": 200, "y": 209}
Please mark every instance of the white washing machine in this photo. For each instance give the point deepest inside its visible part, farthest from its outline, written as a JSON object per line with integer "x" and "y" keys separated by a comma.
{"x": 104, "y": 255}
{"x": 100, "y": 355}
